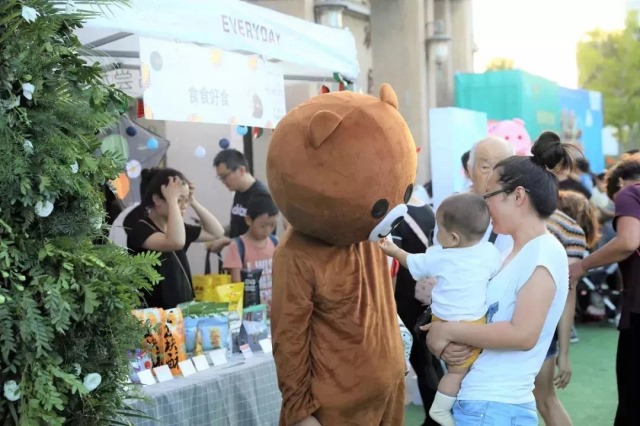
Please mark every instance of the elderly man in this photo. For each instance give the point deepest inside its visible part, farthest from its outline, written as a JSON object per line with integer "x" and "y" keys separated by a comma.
{"x": 483, "y": 157}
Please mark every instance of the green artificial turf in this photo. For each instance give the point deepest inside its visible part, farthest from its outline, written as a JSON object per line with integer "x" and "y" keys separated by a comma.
{"x": 591, "y": 397}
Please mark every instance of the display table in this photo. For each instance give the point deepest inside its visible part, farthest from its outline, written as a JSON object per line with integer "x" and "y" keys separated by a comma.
{"x": 243, "y": 392}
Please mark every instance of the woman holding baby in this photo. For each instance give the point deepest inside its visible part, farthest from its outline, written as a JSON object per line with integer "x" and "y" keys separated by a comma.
{"x": 526, "y": 298}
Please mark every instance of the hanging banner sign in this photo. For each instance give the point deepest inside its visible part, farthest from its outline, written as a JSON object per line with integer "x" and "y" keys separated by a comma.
{"x": 234, "y": 25}
{"x": 187, "y": 82}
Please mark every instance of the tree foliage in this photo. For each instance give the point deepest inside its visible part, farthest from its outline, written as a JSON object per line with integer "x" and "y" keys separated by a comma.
{"x": 609, "y": 62}
{"x": 65, "y": 295}
{"x": 497, "y": 64}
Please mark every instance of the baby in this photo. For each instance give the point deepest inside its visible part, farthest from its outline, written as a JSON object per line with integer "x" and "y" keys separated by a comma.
{"x": 462, "y": 266}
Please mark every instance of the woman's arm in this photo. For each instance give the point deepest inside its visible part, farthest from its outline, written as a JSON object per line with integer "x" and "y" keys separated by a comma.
{"x": 626, "y": 241}
{"x": 566, "y": 321}
{"x": 175, "y": 237}
{"x": 211, "y": 227}
{"x": 521, "y": 333}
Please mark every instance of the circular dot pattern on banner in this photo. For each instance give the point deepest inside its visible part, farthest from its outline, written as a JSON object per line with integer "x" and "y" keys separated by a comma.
{"x": 122, "y": 186}
{"x": 152, "y": 143}
{"x": 134, "y": 168}
{"x": 200, "y": 152}
{"x": 253, "y": 63}
{"x": 216, "y": 56}
{"x": 131, "y": 131}
{"x": 115, "y": 144}
{"x": 224, "y": 143}
{"x": 156, "y": 61}
{"x": 43, "y": 209}
{"x": 242, "y": 130}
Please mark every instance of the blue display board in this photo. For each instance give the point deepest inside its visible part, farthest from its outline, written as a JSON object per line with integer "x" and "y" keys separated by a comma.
{"x": 581, "y": 122}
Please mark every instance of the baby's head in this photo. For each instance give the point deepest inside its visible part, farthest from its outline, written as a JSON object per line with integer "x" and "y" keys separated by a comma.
{"x": 462, "y": 220}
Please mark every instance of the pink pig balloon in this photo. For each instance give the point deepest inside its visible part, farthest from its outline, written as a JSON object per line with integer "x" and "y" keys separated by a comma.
{"x": 514, "y": 132}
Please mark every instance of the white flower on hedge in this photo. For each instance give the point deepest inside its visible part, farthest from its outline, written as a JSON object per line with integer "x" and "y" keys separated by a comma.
{"x": 11, "y": 390}
{"x": 92, "y": 381}
{"x": 77, "y": 369}
{"x": 74, "y": 167}
{"x": 27, "y": 146}
{"x": 29, "y": 14}
{"x": 27, "y": 90}
{"x": 43, "y": 209}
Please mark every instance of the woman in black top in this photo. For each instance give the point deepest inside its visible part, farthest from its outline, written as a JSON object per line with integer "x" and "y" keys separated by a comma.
{"x": 158, "y": 225}
{"x": 426, "y": 366}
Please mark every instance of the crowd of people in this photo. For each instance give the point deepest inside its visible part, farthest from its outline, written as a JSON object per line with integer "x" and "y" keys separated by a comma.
{"x": 495, "y": 283}
{"x": 157, "y": 224}
{"x": 591, "y": 216}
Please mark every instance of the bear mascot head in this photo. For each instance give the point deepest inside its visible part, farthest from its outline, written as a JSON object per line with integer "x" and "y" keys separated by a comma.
{"x": 341, "y": 166}
{"x": 514, "y": 132}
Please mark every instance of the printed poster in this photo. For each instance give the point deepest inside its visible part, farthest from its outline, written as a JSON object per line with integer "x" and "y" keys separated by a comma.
{"x": 188, "y": 82}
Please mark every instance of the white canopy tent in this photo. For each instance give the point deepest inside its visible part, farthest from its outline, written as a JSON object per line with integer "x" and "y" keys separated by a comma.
{"x": 305, "y": 50}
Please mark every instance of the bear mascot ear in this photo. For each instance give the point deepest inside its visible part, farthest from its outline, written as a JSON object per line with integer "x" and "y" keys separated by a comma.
{"x": 387, "y": 95}
{"x": 322, "y": 125}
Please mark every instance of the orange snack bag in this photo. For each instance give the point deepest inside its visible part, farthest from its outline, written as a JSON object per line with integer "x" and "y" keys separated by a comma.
{"x": 154, "y": 337}
{"x": 175, "y": 349}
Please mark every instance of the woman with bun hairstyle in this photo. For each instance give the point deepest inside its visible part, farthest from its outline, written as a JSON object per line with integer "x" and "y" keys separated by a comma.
{"x": 526, "y": 298}
{"x": 158, "y": 225}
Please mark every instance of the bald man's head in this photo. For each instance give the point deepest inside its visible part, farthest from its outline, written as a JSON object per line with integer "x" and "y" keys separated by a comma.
{"x": 485, "y": 154}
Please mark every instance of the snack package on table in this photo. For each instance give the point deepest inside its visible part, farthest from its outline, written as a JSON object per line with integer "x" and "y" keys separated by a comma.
{"x": 251, "y": 280}
{"x": 153, "y": 342}
{"x": 213, "y": 333}
{"x": 204, "y": 286}
{"x": 232, "y": 294}
{"x": 139, "y": 361}
{"x": 202, "y": 309}
{"x": 174, "y": 340}
{"x": 254, "y": 328}
{"x": 196, "y": 312}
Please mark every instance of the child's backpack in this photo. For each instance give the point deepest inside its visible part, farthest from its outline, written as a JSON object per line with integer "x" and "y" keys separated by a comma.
{"x": 240, "y": 245}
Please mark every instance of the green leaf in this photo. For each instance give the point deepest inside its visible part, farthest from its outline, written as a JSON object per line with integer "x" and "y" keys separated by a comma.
{"x": 90, "y": 300}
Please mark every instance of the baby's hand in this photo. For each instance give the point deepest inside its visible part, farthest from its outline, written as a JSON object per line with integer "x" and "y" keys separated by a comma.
{"x": 388, "y": 247}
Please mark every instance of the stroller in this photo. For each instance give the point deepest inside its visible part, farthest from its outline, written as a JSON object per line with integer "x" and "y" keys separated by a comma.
{"x": 599, "y": 295}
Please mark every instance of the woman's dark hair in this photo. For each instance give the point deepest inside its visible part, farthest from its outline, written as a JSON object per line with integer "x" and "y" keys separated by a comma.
{"x": 156, "y": 180}
{"x": 577, "y": 207}
{"x": 536, "y": 173}
{"x": 628, "y": 169}
{"x": 145, "y": 178}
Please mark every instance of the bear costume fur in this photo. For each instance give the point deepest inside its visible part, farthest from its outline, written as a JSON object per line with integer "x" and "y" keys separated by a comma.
{"x": 340, "y": 167}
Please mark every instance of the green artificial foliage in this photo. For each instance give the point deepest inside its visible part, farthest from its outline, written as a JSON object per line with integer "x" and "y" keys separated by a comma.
{"x": 66, "y": 294}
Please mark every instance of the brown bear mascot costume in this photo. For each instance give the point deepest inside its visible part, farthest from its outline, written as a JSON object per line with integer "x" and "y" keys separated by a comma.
{"x": 341, "y": 167}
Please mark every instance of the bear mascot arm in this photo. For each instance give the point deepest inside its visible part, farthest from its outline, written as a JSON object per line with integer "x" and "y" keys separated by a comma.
{"x": 292, "y": 323}
{"x": 341, "y": 168}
